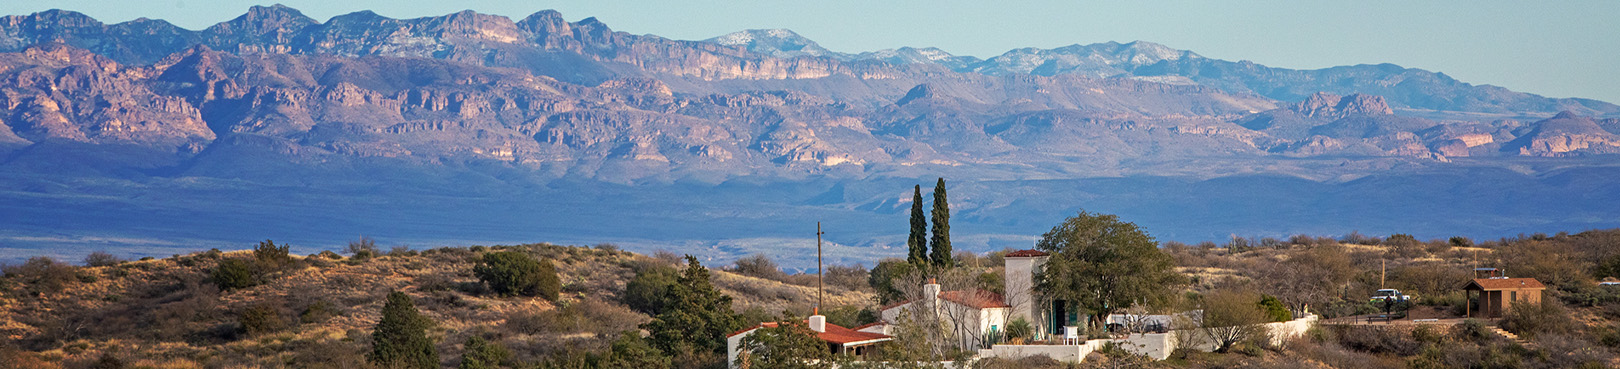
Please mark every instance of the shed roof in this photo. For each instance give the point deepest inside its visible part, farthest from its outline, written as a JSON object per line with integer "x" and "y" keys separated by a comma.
{"x": 1026, "y": 253}
{"x": 1491, "y": 284}
{"x": 834, "y": 334}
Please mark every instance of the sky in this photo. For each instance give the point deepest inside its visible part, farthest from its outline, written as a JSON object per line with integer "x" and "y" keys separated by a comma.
{"x": 1556, "y": 49}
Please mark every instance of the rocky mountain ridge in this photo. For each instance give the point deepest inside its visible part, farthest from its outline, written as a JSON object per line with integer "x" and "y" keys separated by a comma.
{"x": 469, "y": 86}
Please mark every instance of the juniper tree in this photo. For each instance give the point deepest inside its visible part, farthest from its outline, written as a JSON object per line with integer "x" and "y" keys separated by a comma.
{"x": 400, "y": 339}
{"x": 940, "y": 254}
{"x": 696, "y": 317}
{"x": 918, "y": 242}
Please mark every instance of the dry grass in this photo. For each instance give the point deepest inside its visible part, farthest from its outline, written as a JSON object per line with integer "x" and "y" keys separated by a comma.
{"x": 165, "y": 314}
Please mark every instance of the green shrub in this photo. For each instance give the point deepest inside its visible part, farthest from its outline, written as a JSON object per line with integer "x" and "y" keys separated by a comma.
{"x": 260, "y": 319}
{"x": 318, "y": 312}
{"x": 234, "y": 274}
{"x": 645, "y": 292}
{"x": 101, "y": 259}
{"x": 513, "y": 273}
{"x": 1530, "y": 320}
{"x": 271, "y": 256}
{"x": 1275, "y": 310}
{"x": 479, "y": 353}
{"x": 43, "y": 274}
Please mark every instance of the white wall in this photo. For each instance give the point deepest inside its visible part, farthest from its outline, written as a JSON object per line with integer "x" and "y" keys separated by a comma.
{"x": 1158, "y": 346}
{"x": 732, "y": 344}
{"x": 1019, "y": 277}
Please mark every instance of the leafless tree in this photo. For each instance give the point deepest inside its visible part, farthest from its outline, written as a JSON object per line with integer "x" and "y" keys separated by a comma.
{"x": 1228, "y": 317}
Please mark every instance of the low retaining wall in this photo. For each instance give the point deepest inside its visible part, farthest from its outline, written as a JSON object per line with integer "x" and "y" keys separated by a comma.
{"x": 1158, "y": 346}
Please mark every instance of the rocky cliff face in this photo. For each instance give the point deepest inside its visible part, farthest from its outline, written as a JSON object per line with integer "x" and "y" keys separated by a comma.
{"x": 1565, "y": 134}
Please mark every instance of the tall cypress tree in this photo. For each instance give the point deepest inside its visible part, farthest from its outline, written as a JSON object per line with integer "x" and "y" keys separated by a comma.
{"x": 400, "y": 340}
{"x": 918, "y": 243}
{"x": 941, "y": 252}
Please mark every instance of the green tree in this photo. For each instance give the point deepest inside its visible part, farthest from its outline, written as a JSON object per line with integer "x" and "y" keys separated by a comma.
{"x": 481, "y": 354}
{"x": 629, "y": 351}
{"x": 790, "y": 344}
{"x": 918, "y": 242}
{"x": 234, "y": 274}
{"x": 513, "y": 273}
{"x": 1103, "y": 264}
{"x": 940, "y": 253}
{"x": 646, "y": 291}
{"x": 883, "y": 276}
{"x": 400, "y": 339}
{"x": 697, "y": 316}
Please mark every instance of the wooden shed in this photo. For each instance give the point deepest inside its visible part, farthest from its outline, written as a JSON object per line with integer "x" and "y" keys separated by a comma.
{"x": 1497, "y": 295}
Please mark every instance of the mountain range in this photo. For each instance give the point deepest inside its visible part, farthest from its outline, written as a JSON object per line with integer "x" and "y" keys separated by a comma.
{"x": 389, "y": 124}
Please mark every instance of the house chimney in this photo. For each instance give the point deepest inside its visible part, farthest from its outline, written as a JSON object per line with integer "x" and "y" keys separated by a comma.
{"x": 818, "y": 323}
{"x": 931, "y": 290}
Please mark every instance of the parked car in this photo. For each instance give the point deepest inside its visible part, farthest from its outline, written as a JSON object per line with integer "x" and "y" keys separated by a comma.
{"x": 1389, "y": 294}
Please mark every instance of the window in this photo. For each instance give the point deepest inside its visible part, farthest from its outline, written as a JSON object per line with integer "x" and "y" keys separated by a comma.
{"x": 1514, "y": 295}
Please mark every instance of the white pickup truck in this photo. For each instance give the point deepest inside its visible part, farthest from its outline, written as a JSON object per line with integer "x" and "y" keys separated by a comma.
{"x": 1389, "y": 294}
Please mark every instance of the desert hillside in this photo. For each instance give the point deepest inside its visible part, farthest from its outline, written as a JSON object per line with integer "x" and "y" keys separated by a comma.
{"x": 169, "y": 313}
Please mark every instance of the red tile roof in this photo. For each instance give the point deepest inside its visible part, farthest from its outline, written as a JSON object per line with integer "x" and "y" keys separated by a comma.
{"x": 834, "y": 333}
{"x": 869, "y": 325}
{"x": 1026, "y": 253}
{"x": 1506, "y": 284}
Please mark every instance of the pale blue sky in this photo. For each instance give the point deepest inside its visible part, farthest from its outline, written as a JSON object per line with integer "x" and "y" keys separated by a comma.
{"x": 1555, "y": 48}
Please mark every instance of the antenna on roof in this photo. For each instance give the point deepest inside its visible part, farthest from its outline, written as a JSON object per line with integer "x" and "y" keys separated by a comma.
{"x": 819, "y": 281}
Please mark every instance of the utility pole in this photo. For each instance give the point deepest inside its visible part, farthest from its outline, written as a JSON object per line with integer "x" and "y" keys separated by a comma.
{"x": 1383, "y": 269}
{"x": 819, "y": 280}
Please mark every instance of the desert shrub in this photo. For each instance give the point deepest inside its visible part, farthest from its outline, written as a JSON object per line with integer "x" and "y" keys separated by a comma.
{"x": 260, "y": 319}
{"x": 328, "y": 254}
{"x": 1427, "y": 334}
{"x": 401, "y": 251}
{"x": 101, "y": 259}
{"x": 513, "y": 273}
{"x": 479, "y": 353}
{"x": 435, "y": 282}
{"x": 1355, "y": 237}
{"x": 645, "y": 292}
{"x": 234, "y": 274}
{"x": 362, "y": 245}
{"x": 319, "y": 311}
{"x": 43, "y": 274}
{"x": 1378, "y": 340}
{"x": 585, "y": 316}
{"x": 1530, "y": 320}
{"x": 667, "y": 257}
{"x": 272, "y": 256}
{"x": 1027, "y": 362}
{"x": 759, "y": 266}
{"x": 1472, "y": 330}
{"x": 108, "y": 361}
